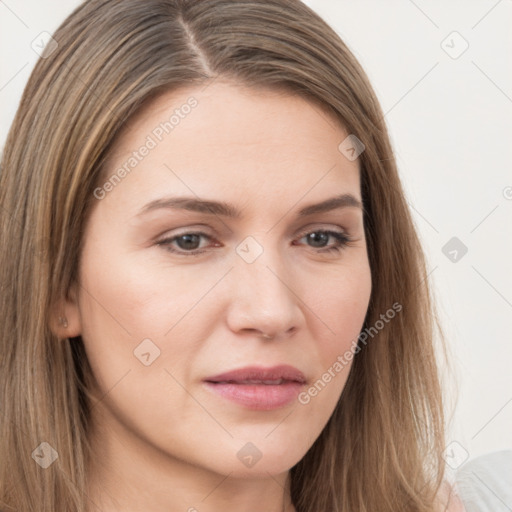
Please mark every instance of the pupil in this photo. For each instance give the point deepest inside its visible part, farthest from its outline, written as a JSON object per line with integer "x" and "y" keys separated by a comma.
{"x": 318, "y": 239}
{"x": 188, "y": 241}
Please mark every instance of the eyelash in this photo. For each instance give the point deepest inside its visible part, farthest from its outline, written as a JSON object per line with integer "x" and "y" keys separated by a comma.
{"x": 343, "y": 241}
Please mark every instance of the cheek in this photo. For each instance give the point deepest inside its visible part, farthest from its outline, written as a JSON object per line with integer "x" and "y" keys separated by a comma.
{"x": 138, "y": 310}
{"x": 134, "y": 327}
{"x": 138, "y": 296}
{"x": 340, "y": 310}
{"x": 341, "y": 304}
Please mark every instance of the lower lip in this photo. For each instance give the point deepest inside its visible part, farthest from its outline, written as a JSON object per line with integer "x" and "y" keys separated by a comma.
{"x": 261, "y": 397}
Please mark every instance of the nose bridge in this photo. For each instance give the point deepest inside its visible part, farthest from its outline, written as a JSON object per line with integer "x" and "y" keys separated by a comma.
{"x": 264, "y": 282}
{"x": 261, "y": 295}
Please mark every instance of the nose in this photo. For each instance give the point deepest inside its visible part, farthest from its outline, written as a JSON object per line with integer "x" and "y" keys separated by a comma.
{"x": 263, "y": 298}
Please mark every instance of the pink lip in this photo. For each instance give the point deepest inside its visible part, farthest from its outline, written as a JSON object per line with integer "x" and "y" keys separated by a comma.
{"x": 253, "y": 387}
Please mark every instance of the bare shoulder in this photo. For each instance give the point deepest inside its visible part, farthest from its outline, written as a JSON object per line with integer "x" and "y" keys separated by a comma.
{"x": 449, "y": 500}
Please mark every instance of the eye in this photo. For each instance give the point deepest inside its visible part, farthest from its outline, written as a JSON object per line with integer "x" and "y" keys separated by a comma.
{"x": 186, "y": 243}
{"x": 319, "y": 239}
{"x": 189, "y": 244}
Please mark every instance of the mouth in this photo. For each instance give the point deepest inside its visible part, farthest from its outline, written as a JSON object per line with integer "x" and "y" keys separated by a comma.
{"x": 251, "y": 381}
{"x": 258, "y": 388}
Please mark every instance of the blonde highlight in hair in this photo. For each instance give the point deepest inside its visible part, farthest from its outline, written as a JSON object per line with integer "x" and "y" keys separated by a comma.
{"x": 382, "y": 448}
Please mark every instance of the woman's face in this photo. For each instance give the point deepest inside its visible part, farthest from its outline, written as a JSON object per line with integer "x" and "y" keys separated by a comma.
{"x": 230, "y": 224}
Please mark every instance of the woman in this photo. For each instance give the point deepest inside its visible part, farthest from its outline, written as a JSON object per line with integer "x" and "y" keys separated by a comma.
{"x": 202, "y": 207}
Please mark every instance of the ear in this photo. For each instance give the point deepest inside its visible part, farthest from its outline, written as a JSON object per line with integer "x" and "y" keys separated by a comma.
{"x": 65, "y": 320}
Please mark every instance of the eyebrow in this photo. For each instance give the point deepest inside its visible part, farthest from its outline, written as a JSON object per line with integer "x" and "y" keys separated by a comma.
{"x": 194, "y": 204}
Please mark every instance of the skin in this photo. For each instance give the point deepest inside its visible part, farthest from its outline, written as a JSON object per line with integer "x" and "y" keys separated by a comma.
{"x": 162, "y": 440}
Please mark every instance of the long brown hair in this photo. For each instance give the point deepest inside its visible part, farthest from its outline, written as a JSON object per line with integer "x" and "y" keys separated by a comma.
{"x": 382, "y": 448}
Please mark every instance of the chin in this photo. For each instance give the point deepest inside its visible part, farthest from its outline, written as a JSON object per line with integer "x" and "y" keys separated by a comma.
{"x": 263, "y": 456}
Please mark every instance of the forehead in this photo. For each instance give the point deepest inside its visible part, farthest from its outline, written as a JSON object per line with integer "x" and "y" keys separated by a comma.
{"x": 228, "y": 138}
{"x": 230, "y": 114}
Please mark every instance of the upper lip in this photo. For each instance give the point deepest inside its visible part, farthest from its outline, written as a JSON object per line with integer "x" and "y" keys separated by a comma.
{"x": 257, "y": 374}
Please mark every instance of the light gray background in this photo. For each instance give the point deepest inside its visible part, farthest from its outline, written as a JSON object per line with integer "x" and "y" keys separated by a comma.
{"x": 450, "y": 120}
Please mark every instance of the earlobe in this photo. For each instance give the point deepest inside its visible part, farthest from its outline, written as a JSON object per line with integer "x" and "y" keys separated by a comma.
{"x": 65, "y": 321}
